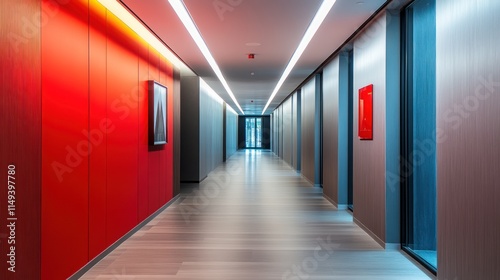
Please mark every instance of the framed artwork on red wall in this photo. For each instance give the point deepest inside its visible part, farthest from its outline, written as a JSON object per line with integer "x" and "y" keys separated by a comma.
{"x": 365, "y": 113}
{"x": 158, "y": 129}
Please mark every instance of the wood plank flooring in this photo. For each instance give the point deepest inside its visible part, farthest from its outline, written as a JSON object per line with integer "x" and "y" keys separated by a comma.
{"x": 253, "y": 218}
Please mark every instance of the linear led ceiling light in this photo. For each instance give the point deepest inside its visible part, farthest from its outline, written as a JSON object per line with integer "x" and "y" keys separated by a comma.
{"x": 183, "y": 14}
{"x": 318, "y": 19}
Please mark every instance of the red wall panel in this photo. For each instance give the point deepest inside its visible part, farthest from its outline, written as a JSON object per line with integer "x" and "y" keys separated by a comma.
{"x": 98, "y": 130}
{"x": 143, "y": 185}
{"x": 169, "y": 149}
{"x": 163, "y": 153}
{"x": 20, "y": 112}
{"x": 65, "y": 146}
{"x": 122, "y": 142}
{"x": 154, "y": 152}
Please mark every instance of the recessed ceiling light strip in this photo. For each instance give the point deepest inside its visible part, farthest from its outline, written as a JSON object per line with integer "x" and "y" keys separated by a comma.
{"x": 318, "y": 19}
{"x": 183, "y": 14}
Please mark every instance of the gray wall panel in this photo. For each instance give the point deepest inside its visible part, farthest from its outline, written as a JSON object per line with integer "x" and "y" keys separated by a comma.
{"x": 344, "y": 141}
{"x": 287, "y": 131}
{"x": 330, "y": 129}
{"x": 202, "y": 129}
{"x": 468, "y": 154}
{"x": 318, "y": 122}
{"x": 308, "y": 130}
{"x": 294, "y": 130}
{"x": 281, "y": 137}
{"x": 369, "y": 156}
{"x": 211, "y": 126}
{"x": 298, "y": 127}
{"x": 231, "y": 132}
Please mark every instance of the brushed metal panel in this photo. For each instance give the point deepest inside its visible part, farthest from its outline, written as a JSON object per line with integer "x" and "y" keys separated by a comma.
{"x": 468, "y": 155}
{"x": 280, "y": 131}
{"x": 287, "y": 131}
{"x": 330, "y": 129}
{"x": 294, "y": 130}
{"x": 369, "y": 156}
{"x": 308, "y": 131}
{"x": 211, "y": 126}
{"x": 20, "y": 111}
{"x": 231, "y": 133}
{"x": 298, "y": 127}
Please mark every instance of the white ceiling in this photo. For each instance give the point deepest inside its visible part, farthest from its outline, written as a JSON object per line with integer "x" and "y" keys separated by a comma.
{"x": 232, "y": 30}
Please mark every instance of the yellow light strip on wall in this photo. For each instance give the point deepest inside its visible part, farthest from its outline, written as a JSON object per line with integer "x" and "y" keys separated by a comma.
{"x": 183, "y": 14}
{"x": 124, "y": 15}
{"x": 318, "y": 19}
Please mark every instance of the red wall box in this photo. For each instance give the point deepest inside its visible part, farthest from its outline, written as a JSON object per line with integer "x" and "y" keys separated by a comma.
{"x": 365, "y": 117}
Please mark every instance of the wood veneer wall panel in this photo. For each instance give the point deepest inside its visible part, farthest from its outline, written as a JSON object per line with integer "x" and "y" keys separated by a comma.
{"x": 468, "y": 155}
{"x": 308, "y": 132}
{"x": 331, "y": 129}
{"x": 369, "y": 155}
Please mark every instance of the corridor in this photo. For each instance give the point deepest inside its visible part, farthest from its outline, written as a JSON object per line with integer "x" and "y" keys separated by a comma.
{"x": 253, "y": 218}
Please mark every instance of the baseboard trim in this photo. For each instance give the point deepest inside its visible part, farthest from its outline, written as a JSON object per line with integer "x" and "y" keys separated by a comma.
{"x": 339, "y": 206}
{"x": 370, "y": 233}
{"x": 117, "y": 243}
{"x": 393, "y": 246}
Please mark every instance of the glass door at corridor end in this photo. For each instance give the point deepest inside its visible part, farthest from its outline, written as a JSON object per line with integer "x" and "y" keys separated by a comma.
{"x": 253, "y": 132}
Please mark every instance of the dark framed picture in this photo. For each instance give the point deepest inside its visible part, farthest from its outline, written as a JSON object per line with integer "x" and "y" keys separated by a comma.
{"x": 158, "y": 129}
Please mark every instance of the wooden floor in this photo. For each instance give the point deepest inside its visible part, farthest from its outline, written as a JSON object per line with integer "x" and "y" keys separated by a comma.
{"x": 253, "y": 218}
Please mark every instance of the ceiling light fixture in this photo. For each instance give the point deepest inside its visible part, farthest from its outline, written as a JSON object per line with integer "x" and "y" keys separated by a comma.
{"x": 183, "y": 14}
{"x": 318, "y": 19}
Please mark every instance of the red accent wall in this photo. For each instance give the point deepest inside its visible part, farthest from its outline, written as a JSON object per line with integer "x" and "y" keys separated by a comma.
{"x": 65, "y": 149}
{"x": 98, "y": 112}
{"x": 100, "y": 178}
{"x": 20, "y": 111}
